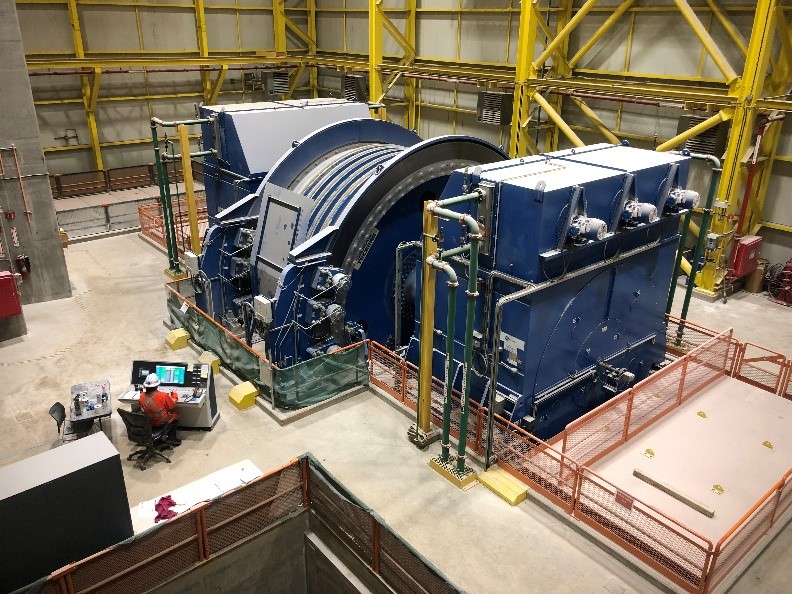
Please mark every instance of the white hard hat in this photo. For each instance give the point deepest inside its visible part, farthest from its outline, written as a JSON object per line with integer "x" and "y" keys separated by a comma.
{"x": 152, "y": 381}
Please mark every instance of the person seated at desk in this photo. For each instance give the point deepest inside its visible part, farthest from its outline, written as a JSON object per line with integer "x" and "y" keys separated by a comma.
{"x": 160, "y": 408}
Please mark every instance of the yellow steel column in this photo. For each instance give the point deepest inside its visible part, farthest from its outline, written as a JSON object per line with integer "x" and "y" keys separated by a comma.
{"x": 742, "y": 134}
{"x": 560, "y": 67}
{"x": 604, "y": 28}
{"x": 524, "y": 72}
{"x": 85, "y": 85}
{"x": 312, "y": 70}
{"x": 189, "y": 188}
{"x": 558, "y": 120}
{"x": 203, "y": 47}
{"x": 426, "y": 343}
{"x": 594, "y": 118}
{"x": 706, "y": 40}
{"x": 375, "y": 54}
{"x": 279, "y": 26}
{"x": 411, "y": 7}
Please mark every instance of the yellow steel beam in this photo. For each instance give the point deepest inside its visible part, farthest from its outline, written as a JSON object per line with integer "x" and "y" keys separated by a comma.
{"x": 93, "y": 94}
{"x": 203, "y": 46}
{"x": 604, "y": 28}
{"x": 558, "y": 120}
{"x": 375, "y": 54}
{"x": 292, "y": 26}
{"x": 524, "y": 71}
{"x": 189, "y": 188}
{"x": 562, "y": 35}
{"x": 729, "y": 27}
{"x": 785, "y": 35}
{"x": 549, "y": 36}
{"x": 722, "y": 116}
{"x": 561, "y": 68}
{"x": 777, "y": 226}
{"x": 706, "y": 40}
{"x": 404, "y": 43}
{"x": 141, "y": 62}
{"x": 295, "y": 79}
{"x": 90, "y": 92}
{"x": 211, "y": 99}
{"x": 279, "y": 26}
{"x": 429, "y": 279}
{"x": 598, "y": 123}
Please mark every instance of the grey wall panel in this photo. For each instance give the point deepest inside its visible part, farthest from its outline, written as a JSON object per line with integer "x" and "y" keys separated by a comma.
{"x": 55, "y": 36}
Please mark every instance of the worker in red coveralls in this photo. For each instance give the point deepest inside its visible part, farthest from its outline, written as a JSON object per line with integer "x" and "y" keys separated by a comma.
{"x": 160, "y": 408}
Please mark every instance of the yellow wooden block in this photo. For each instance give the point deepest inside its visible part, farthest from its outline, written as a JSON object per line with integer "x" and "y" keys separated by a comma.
{"x": 503, "y": 485}
{"x": 209, "y": 358}
{"x": 243, "y": 395}
{"x": 177, "y": 339}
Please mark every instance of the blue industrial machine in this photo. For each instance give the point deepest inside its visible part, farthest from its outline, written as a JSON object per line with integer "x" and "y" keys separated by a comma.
{"x": 574, "y": 271}
{"x": 306, "y": 262}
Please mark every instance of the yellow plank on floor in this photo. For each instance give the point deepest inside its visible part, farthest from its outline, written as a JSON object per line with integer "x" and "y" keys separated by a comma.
{"x": 243, "y": 396}
{"x": 177, "y": 339}
{"x": 503, "y": 485}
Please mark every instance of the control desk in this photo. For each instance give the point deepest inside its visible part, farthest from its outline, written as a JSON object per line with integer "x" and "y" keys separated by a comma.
{"x": 193, "y": 384}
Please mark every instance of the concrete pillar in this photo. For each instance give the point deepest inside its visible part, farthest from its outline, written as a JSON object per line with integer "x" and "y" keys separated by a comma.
{"x": 39, "y": 239}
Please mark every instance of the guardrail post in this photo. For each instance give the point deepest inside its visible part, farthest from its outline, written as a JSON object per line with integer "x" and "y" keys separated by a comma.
{"x": 403, "y": 390}
{"x": 775, "y": 507}
{"x": 106, "y": 174}
{"x": 304, "y": 475}
{"x": 152, "y": 175}
{"x": 106, "y": 208}
{"x": 375, "y": 545}
{"x": 58, "y": 185}
{"x": 628, "y": 414}
{"x": 682, "y": 375}
{"x": 478, "y": 446}
{"x": 200, "y": 529}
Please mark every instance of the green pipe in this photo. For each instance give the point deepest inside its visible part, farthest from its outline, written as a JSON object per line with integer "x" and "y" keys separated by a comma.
{"x": 463, "y": 249}
{"x": 474, "y": 195}
{"x": 678, "y": 262}
{"x": 698, "y": 253}
{"x": 164, "y": 187}
{"x": 434, "y": 262}
{"x": 472, "y": 293}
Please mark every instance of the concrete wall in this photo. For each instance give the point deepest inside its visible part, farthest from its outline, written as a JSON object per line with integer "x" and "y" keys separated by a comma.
{"x": 38, "y": 238}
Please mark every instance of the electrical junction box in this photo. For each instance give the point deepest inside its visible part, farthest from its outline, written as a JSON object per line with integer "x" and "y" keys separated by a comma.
{"x": 262, "y": 308}
{"x": 191, "y": 262}
{"x": 712, "y": 241}
{"x": 746, "y": 255}
{"x": 9, "y": 296}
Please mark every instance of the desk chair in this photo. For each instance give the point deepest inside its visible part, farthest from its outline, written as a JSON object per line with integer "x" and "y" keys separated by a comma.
{"x": 58, "y": 412}
{"x": 140, "y": 432}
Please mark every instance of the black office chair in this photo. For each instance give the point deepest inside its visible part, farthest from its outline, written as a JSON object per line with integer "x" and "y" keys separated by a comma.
{"x": 58, "y": 412}
{"x": 140, "y": 432}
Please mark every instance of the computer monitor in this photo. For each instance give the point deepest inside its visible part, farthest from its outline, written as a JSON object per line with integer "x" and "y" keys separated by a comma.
{"x": 171, "y": 374}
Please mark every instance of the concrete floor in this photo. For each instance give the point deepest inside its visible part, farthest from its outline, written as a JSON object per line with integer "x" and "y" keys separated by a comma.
{"x": 481, "y": 543}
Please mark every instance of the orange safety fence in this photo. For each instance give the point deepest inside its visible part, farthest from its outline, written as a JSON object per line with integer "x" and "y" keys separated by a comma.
{"x": 152, "y": 222}
{"x": 609, "y": 426}
{"x": 195, "y": 536}
{"x": 559, "y": 470}
{"x": 190, "y": 538}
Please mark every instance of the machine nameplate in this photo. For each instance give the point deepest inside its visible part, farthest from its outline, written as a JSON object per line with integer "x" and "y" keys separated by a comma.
{"x": 511, "y": 343}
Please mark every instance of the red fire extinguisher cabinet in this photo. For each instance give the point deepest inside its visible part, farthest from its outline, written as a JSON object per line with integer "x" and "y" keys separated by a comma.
{"x": 9, "y": 296}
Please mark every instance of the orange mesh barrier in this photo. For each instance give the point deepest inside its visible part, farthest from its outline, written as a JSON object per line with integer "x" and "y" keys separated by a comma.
{"x": 179, "y": 544}
{"x": 152, "y": 223}
{"x": 674, "y": 550}
{"x": 608, "y": 426}
{"x": 754, "y": 525}
{"x": 763, "y": 368}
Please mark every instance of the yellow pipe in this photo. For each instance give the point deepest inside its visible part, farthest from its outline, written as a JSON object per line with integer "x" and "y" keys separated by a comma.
{"x": 564, "y": 33}
{"x": 694, "y": 228}
{"x": 685, "y": 266}
{"x": 604, "y": 28}
{"x": 427, "y": 325}
{"x": 557, "y": 120}
{"x": 189, "y": 188}
{"x": 598, "y": 123}
{"x": 706, "y": 40}
{"x": 722, "y": 116}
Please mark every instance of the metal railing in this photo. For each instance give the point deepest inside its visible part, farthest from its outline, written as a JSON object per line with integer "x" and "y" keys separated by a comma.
{"x": 152, "y": 222}
{"x": 67, "y": 185}
{"x": 559, "y": 470}
{"x": 197, "y": 535}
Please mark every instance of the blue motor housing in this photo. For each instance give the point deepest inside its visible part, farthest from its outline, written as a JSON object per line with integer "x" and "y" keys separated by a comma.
{"x": 589, "y": 235}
